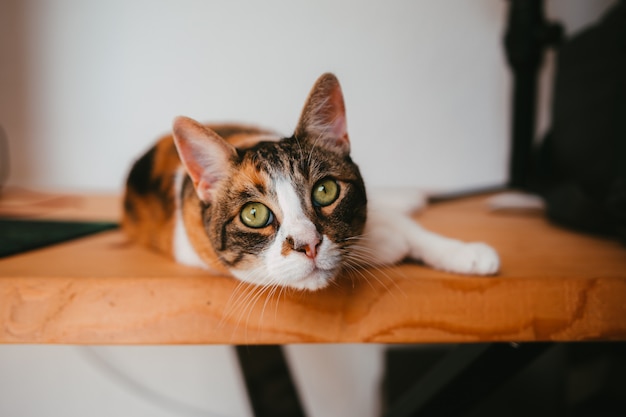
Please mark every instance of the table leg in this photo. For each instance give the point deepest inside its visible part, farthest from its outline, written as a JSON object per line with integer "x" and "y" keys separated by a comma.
{"x": 269, "y": 384}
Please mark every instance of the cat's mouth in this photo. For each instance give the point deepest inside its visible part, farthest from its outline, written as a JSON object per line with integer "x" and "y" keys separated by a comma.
{"x": 315, "y": 276}
{"x": 320, "y": 273}
{"x": 297, "y": 269}
{"x": 315, "y": 280}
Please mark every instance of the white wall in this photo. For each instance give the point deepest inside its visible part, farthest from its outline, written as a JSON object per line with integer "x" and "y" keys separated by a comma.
{"x": 136, "y": 381}
{"x": 85, "y": 86}
{"x": 425, "y": 82}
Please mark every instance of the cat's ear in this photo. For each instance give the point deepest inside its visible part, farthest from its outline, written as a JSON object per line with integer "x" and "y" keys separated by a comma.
{"x": 323, "y": 118}
{"x": 206, "y": 156}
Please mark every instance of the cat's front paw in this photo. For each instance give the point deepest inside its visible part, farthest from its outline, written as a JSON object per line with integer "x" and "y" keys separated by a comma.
{"x": 474, "y": 259}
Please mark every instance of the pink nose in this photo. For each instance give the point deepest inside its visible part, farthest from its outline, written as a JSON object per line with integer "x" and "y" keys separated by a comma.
{"x": 310, "y": 249}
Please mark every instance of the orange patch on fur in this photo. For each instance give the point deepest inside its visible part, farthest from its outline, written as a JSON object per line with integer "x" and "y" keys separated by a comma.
{"x": 146, "y": 218}
{"x": 192, "y": 219}
{"x": 149, "y": 217}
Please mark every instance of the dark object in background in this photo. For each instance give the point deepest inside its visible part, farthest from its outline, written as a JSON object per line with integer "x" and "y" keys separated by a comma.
{"x": 19, "y": 235}
{"x": 581, "y": 379}
{"x": 528, "y": 34}
{"x": 4, "y": 158}
{"x": 580, "y": 168}
{"x": 270, "y": 388}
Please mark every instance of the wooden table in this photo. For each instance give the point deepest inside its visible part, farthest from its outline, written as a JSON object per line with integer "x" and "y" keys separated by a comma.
{"x": 555, "y": 285}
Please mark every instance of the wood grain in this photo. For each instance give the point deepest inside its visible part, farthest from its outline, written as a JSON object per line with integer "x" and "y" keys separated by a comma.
{"x": 555, "y": 285}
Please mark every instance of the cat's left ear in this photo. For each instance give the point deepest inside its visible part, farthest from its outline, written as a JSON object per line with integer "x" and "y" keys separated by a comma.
{"x": 206, "y": 156}
{"x": 323, "y": 119}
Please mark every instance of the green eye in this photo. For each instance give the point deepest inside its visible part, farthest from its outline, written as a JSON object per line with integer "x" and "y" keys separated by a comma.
{"x": 325, "y": 192}
{"x": 256, "y": 215}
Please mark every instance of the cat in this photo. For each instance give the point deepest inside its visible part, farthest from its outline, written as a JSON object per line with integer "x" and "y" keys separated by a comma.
{"x": 274, "y": 211}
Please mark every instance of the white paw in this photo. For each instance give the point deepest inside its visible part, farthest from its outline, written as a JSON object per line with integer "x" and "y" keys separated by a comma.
{"x": 473, "y": 259}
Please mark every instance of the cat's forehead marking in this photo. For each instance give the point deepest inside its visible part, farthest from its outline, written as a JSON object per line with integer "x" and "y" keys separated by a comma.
{"x": 295, "y": 224}
{"x": 284, "y": 157}
{"x": 289, "y": 201}
{"x": 257, "y": 173}
{"x": 251, "y": 175}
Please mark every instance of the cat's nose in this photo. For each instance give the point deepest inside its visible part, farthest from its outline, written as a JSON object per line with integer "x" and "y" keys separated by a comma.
{"x": 310, "y": 250}
{"x": 309, "y": 247}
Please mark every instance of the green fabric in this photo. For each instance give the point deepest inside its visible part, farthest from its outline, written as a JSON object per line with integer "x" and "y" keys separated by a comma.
{"x": 18, "y": 235}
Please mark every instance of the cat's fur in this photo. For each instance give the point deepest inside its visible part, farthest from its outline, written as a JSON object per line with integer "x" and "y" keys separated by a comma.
{"x": 192, "y": 210}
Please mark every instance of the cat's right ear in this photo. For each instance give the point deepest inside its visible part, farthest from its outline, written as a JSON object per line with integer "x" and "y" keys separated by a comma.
{"x": 206, "y": 156}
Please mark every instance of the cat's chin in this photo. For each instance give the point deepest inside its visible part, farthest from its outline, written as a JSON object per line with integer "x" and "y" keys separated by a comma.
{"x": 316, "y": 280}
{"x": 313, "y": 281}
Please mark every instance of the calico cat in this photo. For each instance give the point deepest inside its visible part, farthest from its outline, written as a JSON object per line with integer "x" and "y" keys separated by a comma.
{"x": 276, "y": 211}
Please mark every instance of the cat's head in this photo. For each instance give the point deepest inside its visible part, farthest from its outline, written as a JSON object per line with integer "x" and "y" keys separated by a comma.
{"x": 281, "y": 213}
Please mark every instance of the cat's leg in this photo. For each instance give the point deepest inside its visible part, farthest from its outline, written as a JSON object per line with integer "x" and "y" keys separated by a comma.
{"x": 392, "y": 236}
